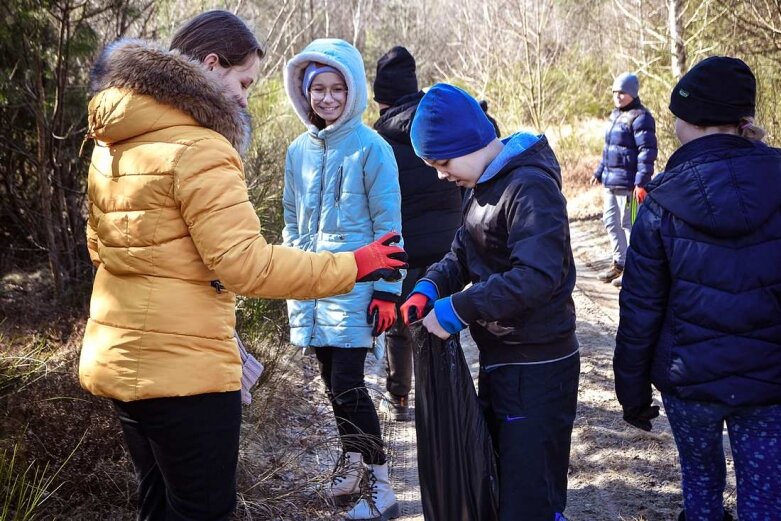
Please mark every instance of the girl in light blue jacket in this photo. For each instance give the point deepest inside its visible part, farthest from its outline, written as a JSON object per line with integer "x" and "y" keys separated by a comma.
{"x": 341, "y": 193}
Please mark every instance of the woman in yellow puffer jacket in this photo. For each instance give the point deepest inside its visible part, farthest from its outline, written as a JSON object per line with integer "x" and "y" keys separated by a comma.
{"x": 174, "y": 238}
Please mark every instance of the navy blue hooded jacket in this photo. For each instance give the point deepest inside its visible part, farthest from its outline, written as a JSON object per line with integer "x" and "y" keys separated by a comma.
{"x": 514, "y": 247}
{"x": 701, "y": 298}
{"x": 630, "y": 148}
{"x": 430, "y": 207}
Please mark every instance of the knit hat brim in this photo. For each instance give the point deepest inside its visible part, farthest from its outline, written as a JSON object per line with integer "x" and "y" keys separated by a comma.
{"x": 311, "y": 72}
{"x": 703, "y": 112}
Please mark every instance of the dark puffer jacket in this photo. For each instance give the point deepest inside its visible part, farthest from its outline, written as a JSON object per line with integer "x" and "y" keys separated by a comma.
{"x": 514, "y": 247}
{"x": 430, "y": 207}
{"x": 630, "y": 148}
{"x": 701, "y": 297}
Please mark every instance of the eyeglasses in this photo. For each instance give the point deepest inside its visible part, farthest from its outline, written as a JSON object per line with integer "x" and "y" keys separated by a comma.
{"x": 319, "y": 93}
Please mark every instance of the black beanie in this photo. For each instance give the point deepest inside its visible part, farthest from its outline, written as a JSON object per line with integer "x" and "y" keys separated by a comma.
{"x": 395, "y": 76}
{"x": 717, "y": 91}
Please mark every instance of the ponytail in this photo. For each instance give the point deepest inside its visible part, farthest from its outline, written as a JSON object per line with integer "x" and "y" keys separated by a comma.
{"x": 748, "y": 130}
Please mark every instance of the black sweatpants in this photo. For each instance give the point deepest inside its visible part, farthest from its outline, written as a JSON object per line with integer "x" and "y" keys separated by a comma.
{"x": 185, "y": 451}
{"x": 530, "y": 410}
{"x": 356, "y": 416}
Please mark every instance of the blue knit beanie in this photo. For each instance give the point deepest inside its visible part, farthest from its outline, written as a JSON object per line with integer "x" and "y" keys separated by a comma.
{"x": 312, "y": 70}
{"x": 627, "y": 82}
{"x": 449, "y": 123}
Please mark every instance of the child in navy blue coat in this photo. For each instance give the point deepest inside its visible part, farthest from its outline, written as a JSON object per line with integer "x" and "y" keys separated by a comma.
{"x": 701, "y": 297}
{"x": 514, "y": 249}
{"x": 626, "y": 167}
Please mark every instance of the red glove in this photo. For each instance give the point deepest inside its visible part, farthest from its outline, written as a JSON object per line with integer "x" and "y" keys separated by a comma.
{"x": 640, "y": 194}
{"x": 380, "y": 260}
{"x": 381, "y": 312}
{"x": 412, "y": 309}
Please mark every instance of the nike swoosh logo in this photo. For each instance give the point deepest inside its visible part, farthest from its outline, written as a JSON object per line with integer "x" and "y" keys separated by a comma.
{"x": 509, "y": 418}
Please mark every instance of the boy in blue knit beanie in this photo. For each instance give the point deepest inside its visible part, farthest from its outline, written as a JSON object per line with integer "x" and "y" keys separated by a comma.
{"x": 514, "y": 249}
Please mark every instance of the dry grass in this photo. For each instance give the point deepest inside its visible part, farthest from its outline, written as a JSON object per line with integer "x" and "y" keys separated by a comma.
{"x": 578, "y": 148}
{"x": 287, "y": 447}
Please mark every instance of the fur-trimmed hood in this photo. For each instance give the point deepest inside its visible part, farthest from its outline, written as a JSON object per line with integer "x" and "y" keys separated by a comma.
{"x": 170, "y": 78}
{"x": 343, "y": 57}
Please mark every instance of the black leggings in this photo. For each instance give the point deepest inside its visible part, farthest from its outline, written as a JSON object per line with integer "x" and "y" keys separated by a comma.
{"x": 356, "y": 417}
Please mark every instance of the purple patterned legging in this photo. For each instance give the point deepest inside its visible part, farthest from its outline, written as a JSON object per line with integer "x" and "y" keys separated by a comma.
{"x": 755, "y": 438}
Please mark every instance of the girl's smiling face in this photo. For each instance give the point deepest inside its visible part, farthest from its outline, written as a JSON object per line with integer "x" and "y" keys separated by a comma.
{"x": 327, "y": 96}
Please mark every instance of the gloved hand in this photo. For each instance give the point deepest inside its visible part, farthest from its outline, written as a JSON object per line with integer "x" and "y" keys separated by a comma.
{"x": 640, "y": 194}
{"x": 641, "y": 417}
{"x": 412, "y": 309}
{"x": 381, "y": 312}
{"x": 380, "y": 260}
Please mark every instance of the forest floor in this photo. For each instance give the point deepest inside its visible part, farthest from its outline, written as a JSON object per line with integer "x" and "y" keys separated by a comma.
{"x": 617, "y": 472}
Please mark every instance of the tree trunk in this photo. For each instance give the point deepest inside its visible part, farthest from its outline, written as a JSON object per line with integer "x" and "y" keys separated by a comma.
{"x": 44, "y": 184}
{"x": 677, "y": 47}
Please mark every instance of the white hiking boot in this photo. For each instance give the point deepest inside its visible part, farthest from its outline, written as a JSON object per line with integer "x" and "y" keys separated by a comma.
{"x": 346, "y": 482}
{"x": 379, "y": 502}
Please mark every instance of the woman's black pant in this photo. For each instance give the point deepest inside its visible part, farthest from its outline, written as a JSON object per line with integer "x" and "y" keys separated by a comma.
{"x": 185, "y": 451}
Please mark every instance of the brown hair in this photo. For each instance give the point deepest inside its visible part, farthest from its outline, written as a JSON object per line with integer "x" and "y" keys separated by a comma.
{"x": 218, "y": 32}
{"x": 315, "y": 119}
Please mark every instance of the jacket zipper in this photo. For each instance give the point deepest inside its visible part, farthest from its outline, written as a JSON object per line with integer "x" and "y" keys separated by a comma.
{"x": 338, "y": 189}
{"x": 317, "y": 231}
{"x": 322, "y": 192}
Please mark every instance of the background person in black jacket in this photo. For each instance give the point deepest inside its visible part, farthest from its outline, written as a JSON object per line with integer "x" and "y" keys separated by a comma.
{"x": 514, "y": 249}
{"x": 430, "y": 209}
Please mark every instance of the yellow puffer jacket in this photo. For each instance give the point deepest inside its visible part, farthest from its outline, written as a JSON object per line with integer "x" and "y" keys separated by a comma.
{"x": 169, "y": 216}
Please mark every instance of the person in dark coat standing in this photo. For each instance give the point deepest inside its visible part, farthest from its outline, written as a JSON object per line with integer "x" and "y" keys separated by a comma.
{"x": 701, "y": 299}
{"x": 626, "y": 167}
{"x": 430, "y": 210}
{"x": 513, "y": 252}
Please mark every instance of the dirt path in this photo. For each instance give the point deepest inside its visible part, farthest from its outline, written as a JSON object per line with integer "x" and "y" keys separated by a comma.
{"x": 616, "y": 472}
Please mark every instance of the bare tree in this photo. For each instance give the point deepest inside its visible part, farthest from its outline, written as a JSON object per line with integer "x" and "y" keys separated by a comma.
{"x": 49, "y": 65}
{"x": 677, "y": 48}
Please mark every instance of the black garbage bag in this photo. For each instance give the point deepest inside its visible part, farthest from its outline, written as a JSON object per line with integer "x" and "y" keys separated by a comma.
{"x": 456, "y": 460}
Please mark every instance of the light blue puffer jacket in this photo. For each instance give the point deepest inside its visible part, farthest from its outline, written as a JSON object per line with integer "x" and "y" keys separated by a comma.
{"x": 341, "y": 193}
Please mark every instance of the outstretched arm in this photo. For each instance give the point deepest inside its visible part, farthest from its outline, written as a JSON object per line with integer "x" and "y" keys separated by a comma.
{"x": 226, "y": 231}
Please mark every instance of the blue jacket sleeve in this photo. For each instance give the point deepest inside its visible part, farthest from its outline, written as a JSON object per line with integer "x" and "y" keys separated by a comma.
{"x": 537, "y": 240}
{"x": 381, "y": 181}
{"x": 644, "y": 128}
{"x": 643, "y": 304}
{"x": 290, "y": 213}
{"x": 600, "y": 167}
